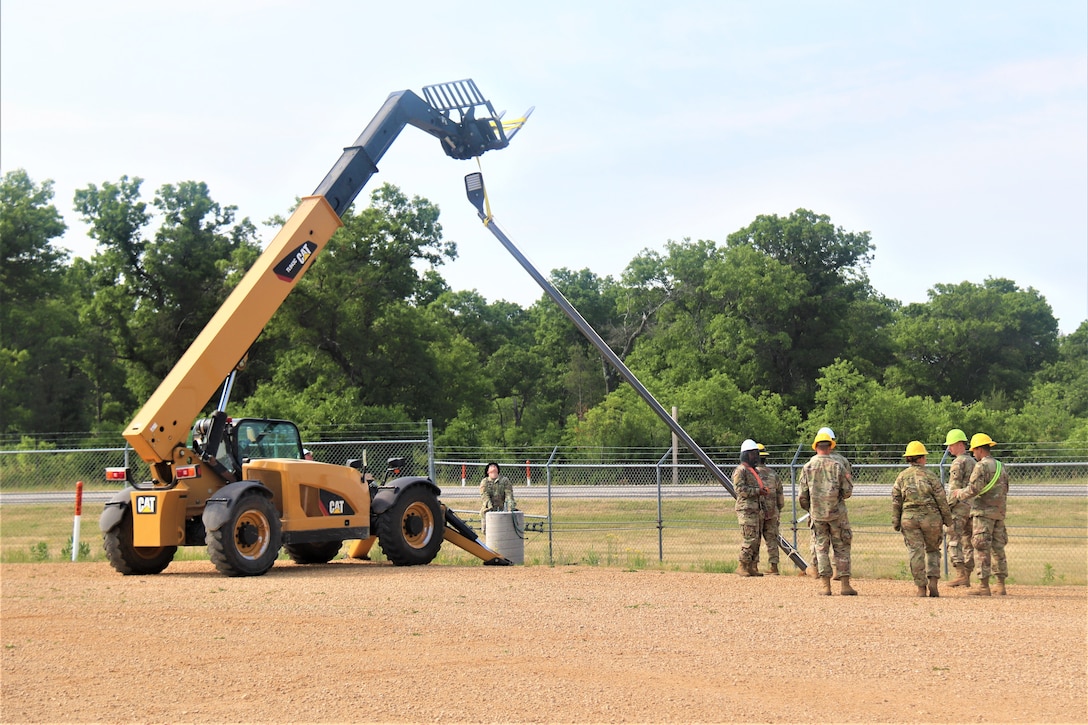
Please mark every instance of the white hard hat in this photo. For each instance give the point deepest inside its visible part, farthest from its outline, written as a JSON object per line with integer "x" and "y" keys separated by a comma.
{"x": 749, "y": 445}
{"x": 827, "y": 430}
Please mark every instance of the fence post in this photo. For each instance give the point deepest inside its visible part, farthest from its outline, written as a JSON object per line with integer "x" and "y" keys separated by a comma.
{"x": 548, "y": 481}
{"x": 660, "y": 521}
{"x": 430, "y": 449}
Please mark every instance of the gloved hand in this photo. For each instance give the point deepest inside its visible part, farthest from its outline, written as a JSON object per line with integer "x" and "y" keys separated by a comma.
{"x": 948, "y": 522}
{"x": 804, "y": 500}
{"x": 897, "y": 526}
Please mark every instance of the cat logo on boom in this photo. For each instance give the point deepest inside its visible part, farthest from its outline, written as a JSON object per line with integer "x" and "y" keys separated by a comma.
{"x": 291, "y": 265}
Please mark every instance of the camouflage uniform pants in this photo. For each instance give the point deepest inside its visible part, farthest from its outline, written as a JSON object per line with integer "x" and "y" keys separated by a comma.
{"x": 960, "y": 549}
{"x": 835, "y": 534}
{"x": 989, "y": 539}
{"x": 751, "y": 527}
{"x": 922, "y": 534}
{"x": 770, "y": 537}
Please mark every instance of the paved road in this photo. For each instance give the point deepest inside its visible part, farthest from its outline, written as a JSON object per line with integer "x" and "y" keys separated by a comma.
{"x": 459, "y": 493}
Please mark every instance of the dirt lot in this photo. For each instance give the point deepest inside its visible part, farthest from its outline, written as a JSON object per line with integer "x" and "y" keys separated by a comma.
{"x": 365, "y": 642}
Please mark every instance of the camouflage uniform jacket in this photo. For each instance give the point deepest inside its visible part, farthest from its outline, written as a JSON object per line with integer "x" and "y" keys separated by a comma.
{"x": 990, "y": 505}
{"x": 824, "y": 486}
{"x": 497, "y": 495}
{"x": 917, "y": 490}
{"x": 747, "y": 488}
{"x": 959, "y": 475}
{"x": 774, "y": 500}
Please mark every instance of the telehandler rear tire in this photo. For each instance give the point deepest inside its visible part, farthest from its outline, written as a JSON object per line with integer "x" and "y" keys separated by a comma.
{"x": 315, "y": 553}
{"x": 129, "y": 559}
{"x": 248, "y": 543}
{"x": 410, "y": 532}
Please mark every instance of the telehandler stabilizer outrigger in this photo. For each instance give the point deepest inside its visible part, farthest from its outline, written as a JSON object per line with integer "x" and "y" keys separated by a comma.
{"x": 241, "y": 487}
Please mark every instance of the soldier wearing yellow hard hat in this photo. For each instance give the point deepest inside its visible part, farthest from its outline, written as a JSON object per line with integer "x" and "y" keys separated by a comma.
{"x": 919, "y": 508}
{"x": 960, "y": 549}
{"x": 842, "y": 461}
{"x": 987, "y": 490}
{"x": 824, "y": 487}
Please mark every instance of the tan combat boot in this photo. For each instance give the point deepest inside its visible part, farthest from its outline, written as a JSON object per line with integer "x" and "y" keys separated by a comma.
{"x": 963, "y": 578}
{"x": 742, "y": 569}
{"x": 1001, "y": 585}
{"x": 983, "y": 588}
{"x": 921, "y": 590}
{"x": 826, "y": 582}
{"x": 753, "y": 569}
{"x": 933, "y": 586}
{"x": 847, "y": 590}
{"x": 774, "y": 570}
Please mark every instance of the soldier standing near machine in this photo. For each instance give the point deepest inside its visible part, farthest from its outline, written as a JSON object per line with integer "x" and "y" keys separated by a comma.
{"x": 825, "y": 486}
{"x": 772, "y": 503}
{"x": 919, "y": 508}
{"x": 959, "y": 533}
{"x": 987, "y": 491}
{"x": 496, "y": 494}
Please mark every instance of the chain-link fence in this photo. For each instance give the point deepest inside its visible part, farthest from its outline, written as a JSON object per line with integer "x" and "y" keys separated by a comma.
{"x": 674, "y": 513}
{"x": 601, "y": 507}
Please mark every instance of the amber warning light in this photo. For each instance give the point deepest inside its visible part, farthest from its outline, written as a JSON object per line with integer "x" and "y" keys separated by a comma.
{"x": 116, "y": 474}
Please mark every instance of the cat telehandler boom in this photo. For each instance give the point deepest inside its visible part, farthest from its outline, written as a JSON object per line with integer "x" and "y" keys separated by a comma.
{"x": 241, "y": 487}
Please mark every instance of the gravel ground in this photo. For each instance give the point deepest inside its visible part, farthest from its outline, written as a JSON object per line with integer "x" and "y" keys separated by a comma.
{"x": 365, "y": 642}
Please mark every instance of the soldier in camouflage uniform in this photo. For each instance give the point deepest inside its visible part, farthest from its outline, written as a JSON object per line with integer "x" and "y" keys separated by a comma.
{"x": 959, "y": 533}
{"x": 824, "y": 487}
{"x": 749, "y": 487}
{"x": 987, "y": 491}
{"x": 772, "y": 503}
{"x": 919, "y": 508}
{"x": 496, "y": 494}
{"x": 842, "y": 461}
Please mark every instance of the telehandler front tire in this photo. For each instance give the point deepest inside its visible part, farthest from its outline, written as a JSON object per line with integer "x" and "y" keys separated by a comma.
{"x": 410, "y": 532}
{"x": 317, "y": 553}
{"x": 248, "y": 543}
{"x": 129, "y": 559}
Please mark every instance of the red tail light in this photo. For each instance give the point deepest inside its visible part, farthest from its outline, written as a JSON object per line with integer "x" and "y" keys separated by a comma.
{"x": 187, "y": 472}
{"x": 116, "y": 474}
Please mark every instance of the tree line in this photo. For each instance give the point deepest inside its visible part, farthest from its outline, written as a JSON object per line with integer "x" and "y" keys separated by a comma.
{"x": 769, "y": 335}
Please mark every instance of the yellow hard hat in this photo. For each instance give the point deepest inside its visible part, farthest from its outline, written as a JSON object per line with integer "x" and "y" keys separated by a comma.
{"x": 981, "y": 439}
{"x": 822, "y": 437}
{"x": 955, "y": 436}
{"x": 915, "y": 448}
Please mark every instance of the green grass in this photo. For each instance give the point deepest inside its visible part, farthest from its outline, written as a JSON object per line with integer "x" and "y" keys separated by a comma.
{"x": 1048, "y": 537}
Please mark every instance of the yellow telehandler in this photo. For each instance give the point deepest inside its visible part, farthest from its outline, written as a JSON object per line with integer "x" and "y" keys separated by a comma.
{"x": 241, "y": 487}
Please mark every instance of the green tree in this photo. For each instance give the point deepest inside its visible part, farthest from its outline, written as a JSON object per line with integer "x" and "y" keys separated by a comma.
{"x": 42, "y": 388}
{"x": 974, "y": 342}
{"x": 154, "y": 295}
{"x": 821, "y": 321}
{"x": 360, "y": 323}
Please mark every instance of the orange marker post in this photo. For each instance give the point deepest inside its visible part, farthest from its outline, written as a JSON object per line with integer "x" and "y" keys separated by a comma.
{"x": 75, "y": 523}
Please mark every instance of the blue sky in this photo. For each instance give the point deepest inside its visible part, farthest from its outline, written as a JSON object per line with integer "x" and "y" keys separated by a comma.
{"x": 955, "y": 133}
